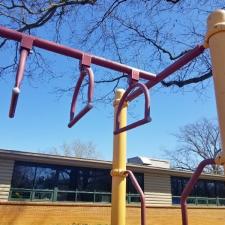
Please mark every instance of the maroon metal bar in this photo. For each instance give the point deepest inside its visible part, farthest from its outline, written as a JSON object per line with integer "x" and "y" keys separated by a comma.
{"x": 191, "y": 183}
{"x": 74, "y": 119}
{"x": 19, "y": 77}
{"x": 183, "y": 60}
{"x": 25, "y": 47}
{"x": 74, "y": 53}
{"x": 123, "y": 100}
{"x": 142, "y": 196}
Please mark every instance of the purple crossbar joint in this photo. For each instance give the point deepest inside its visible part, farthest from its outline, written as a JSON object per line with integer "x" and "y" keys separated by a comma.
{"x": 25, "y": 48}
{"x": 190, "y": 185}
{"x": 85, "y": 70}
{"x": 124, "y": 99}
{"x": 142, "y": 196}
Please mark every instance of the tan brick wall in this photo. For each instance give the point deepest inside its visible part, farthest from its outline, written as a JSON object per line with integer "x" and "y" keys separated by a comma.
{"x": 71, "y": 214}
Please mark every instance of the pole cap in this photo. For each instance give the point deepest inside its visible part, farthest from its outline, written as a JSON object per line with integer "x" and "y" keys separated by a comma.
{"x": 215, "y": 24}
{"x": 118, "y": 96}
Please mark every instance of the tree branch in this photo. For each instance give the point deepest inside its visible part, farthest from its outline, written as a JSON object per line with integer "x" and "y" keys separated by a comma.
{"x": 182, "y": 83}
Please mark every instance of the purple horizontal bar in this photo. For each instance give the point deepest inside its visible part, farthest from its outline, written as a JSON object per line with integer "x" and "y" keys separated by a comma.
{"x": 86, "y": 109}
{"x": 74, "y": 53}
{"x": 183, "y": 60}
{"x": 133, "y": 125}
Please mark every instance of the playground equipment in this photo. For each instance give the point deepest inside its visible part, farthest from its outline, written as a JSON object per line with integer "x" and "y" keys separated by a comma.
{"x": 214, "y": 40}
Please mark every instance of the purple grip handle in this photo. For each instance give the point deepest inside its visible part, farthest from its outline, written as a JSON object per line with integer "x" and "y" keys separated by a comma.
{"x": 19, "y": 77}
{"x": 14, "y": 99}
{"x": 74, "y": 119}
{"x": 125, "y": 98}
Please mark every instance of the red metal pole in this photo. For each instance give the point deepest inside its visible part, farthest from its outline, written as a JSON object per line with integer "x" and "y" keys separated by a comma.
{"x": 74, "y": 53}
{"x": 191, "y": 183}
{"x": 183, "y": 60}
{"x": 19, "y": 77}
{"x": 142, "y": 196}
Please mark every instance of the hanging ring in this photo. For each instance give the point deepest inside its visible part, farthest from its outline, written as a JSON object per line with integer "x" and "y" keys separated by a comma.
{"x": 84, "y": 70}
{"x": 124, "y": 99}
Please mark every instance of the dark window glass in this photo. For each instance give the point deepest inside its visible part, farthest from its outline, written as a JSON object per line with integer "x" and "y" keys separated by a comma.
{"x": 33, "y": 181}
{"x": 194, "y": 191}
{"x": 45, "y": 178}
{"x": 220, "y": 189}
{"x": 177, "y": 185}
{"x": 85, "y": 197}
{"x": 103, "y": 180}
{"x": 66, "y": 179}
{"x": 43, "y": 195}
{"x": 23, "y": 176}
{"x": 66, "y": 196}
{"x": 222, "y": 202}
{"x": 184, "y": 183}
{"x": 201, "y": 188}
{"x": 175, "y": 200}
{"x": 174, "y": 188}
{"x": 211, "y": 189}
{"x": 21, "y": 195}
{"x": 140, "y": 180}
{"x": 103, "y": 197}
{"x": 85, "y": 179}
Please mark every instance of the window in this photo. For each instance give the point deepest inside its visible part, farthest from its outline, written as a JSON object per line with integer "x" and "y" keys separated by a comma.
{"x": 23, "y": 175}
{"x": 220, "y": 189}
{"x": 41, "y": 182}
{"x": 45, "y": 177}
{"x": 205, "y": 191}
{"x": 66, "y": 179}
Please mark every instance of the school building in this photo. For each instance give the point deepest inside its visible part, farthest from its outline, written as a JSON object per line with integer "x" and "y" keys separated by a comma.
{"x": 33, "y": 181}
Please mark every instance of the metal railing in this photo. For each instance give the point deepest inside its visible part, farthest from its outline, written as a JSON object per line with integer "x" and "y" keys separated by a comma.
{"x": 23, "y": 194}
{"x": 200, "y": 201}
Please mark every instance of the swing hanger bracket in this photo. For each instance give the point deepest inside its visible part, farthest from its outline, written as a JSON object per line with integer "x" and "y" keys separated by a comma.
{"x": 134, "y": 77}
{"x": 85, "y": 61}
{"x": 26, "y": 43}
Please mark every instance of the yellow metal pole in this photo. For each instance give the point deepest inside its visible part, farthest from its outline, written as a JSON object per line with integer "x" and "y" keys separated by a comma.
{"x": 215, "y": 40}
{"x": 118, "y": 211}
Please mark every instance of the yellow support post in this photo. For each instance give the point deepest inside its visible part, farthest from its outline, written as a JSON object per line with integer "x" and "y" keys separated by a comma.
{"x": 118, "y": 211}
{"x": 215, "y": 40}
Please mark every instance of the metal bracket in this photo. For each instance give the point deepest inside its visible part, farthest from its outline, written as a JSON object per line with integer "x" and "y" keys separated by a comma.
{"x": 135, "y": 76}
{"x": 118, "y": 173}
{"x": 27, "y": 42}
{"x": 85, "y": 61}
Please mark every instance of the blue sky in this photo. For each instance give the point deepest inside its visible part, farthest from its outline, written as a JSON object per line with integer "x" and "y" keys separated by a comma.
{"x": 41, "y": 121}
{"x": 41, "y": 118}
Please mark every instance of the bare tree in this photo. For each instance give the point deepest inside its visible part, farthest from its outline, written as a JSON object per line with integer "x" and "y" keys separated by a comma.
{"x": 77, "y": 149}
{"x": 144, "y": 33}
{"x": 196, "y": 142}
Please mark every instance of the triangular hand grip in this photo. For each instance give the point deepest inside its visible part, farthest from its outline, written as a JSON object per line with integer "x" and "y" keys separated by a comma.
{"x": 123, "y": 100}
{"x": 73, "y": 119}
